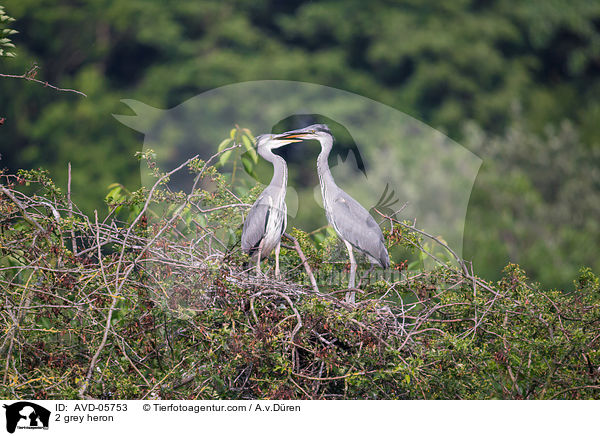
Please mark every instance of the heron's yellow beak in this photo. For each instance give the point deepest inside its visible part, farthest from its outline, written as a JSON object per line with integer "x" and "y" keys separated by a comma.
{"x": 299, "y": 135}
{"x": 284, "y": 141}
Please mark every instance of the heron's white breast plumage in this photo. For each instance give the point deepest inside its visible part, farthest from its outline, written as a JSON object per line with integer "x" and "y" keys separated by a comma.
{"x": 276, "y": 220}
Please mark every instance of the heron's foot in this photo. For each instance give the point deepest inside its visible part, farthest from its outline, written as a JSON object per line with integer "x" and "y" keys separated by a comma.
{"x": 351, "y": 297}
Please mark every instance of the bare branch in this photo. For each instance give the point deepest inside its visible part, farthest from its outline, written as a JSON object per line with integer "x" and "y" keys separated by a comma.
{"x": 30, "y": 76}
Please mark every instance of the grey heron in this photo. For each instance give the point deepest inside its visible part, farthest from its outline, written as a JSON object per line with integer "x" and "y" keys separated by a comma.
{"x": 267, "y": 218}
{"x": 352, "y": 223}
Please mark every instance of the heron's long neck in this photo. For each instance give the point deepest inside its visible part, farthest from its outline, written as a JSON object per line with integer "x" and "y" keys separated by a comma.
{"x": 325, "y": 177}
{"x": 280, "y": 172}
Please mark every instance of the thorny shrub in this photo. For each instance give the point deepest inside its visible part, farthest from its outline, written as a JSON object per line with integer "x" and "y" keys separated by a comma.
{"x": 154, "y": 300}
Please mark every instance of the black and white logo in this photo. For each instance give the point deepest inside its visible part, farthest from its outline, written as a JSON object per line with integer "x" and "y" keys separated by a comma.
{"x": 26, "y": 415}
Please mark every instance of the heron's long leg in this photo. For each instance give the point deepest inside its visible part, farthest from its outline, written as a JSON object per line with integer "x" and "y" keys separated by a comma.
{"x": 350, "y": 296}
{"x": 277, "y": 248}
{"x": 258, "y": 258}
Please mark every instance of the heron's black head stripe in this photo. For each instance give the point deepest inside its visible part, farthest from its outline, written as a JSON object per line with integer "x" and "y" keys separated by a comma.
{"x": 321, "y": 128}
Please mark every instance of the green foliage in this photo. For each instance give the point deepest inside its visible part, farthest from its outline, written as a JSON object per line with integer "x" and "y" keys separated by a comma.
{"x": 6, "y": 46}
{"x": 535, "y": 202}
{"x": 530, "y": 344}
{"x": 240, "y": 136}
{"x": 182, "y": 323}
{"x": 188, "y": 323}
{"x": 446, "y": 64}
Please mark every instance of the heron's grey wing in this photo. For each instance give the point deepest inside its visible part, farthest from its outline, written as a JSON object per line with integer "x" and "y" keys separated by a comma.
{"x": 255, "y": 224}
{"x": 359, "y": 228}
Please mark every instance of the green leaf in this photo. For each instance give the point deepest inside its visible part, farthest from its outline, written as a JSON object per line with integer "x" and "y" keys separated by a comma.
{"x": 248, "y": 163}
{"x": 224, "y": 157}
{"x": 114, "y": 194}
{"x": 250, "y": 147}
{"x": 224, "y": 144}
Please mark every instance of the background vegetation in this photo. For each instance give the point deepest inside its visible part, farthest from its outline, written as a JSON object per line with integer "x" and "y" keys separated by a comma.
{"x": 525, "y": 75}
